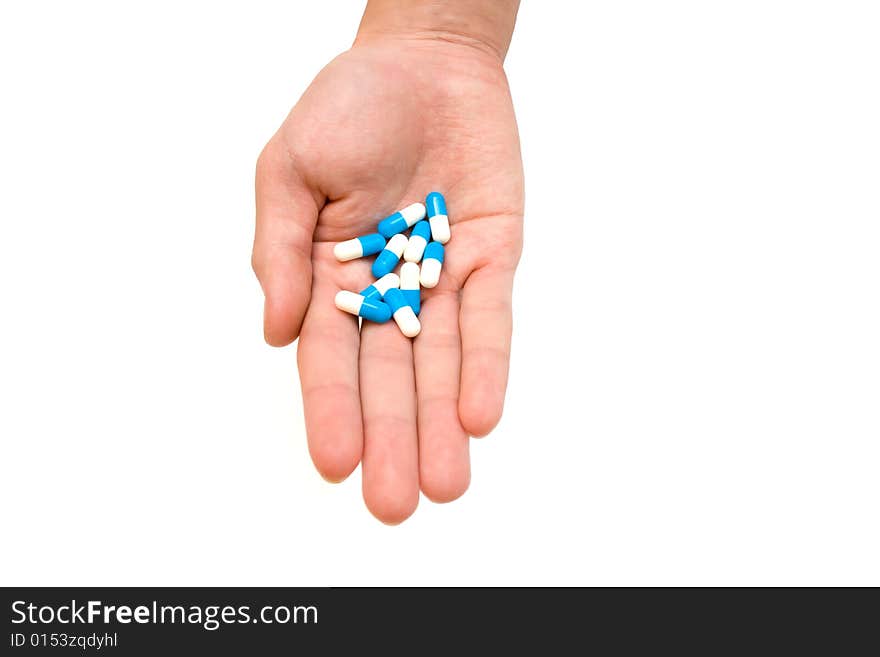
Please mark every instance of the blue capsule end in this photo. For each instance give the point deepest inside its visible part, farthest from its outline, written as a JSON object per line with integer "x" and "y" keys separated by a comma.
{"x": 413, "y": 300}
{"x": 384, "y": 263}
{"x": 422, "y": 229}
{"x": 375, "y": 311}
{"x": 390, "y": 226}
{"x": 371, "y": 293}
{"x": 434, "y": 250}
{"x": 372, "y": 243}
{"x": 395, "y": 300}
{"x": 435, "y": 204}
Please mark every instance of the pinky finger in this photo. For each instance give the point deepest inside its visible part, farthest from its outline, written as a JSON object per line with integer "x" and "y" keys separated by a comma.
{"x": 486, "y": 325}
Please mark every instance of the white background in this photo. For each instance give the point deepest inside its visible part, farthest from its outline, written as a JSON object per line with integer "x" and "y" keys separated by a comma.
{"x": 695, "y": 387}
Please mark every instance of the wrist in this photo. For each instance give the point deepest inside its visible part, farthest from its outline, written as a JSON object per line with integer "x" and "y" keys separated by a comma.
{"x": 486, "y": 25}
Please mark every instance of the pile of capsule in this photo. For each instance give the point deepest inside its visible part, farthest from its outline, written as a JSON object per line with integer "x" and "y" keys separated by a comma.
{"x": 393, "y": 295}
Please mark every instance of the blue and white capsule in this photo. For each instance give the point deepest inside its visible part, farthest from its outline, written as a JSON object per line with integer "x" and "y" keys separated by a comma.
{"x": 418, "y": 240}
{"x": 378, "y": 289}
{"x": 365, "y": 245}
{"x": 403, "y": 313}
{"x": 437, "y": 217}
{"x": 409, "y": 285}
{"x": 390, "y": 256}
{"x": 432, "y": 264}
{"x": 401, "y": 220}
{"x": 357, "y": 304}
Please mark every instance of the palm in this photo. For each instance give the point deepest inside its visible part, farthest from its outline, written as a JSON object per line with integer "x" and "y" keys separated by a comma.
{"x": 379, "y": 128}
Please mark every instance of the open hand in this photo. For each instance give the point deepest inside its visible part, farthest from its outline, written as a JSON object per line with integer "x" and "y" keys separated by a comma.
{"x": 381, "y": 126}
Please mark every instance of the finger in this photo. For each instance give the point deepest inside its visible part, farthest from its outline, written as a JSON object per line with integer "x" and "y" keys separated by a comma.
{"x": 486, "y": 324}
{"x": 444, "y": 461}
{"x": 388, "y": 397}
{"x": 327, "y": 356}
{"x": 286, "y": 217}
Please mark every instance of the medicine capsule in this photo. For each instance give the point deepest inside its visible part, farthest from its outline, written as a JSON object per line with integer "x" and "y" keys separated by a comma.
{"x": 357, "y": 304}
{"x": 378, "y": 289}
{"x": 432, "y": 264}
{"x": 418, "y": 240}
{"x": 409, "y": 285}
{"x": 403, "y": 313}
{"x": 400, "y": 221}
{"x": 437, "y": 217}
{"x": 359, "y": 247}
{"x": 390, "y": 255}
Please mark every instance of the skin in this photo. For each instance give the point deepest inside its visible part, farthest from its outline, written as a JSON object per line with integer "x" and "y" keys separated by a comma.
{"x": 397, "y": 116}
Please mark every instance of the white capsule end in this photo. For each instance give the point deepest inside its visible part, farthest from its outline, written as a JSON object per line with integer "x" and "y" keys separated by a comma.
{"x": 397, "y": 244}
{"x": 386, "y": 283}
{"x": 409, "y": 276}
{"x": 415, "y": 248}
{"x": 348, "y": 250}
{"x": 407, "y": 321}
{"x": 349, "y": 302}
{"x": 430, "y": 274}
{"x": 413, "y": 213}
{"x": 440, "y": 231}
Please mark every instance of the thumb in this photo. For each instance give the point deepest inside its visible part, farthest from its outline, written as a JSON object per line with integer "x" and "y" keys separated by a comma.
{"x": 282, "y": 258}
